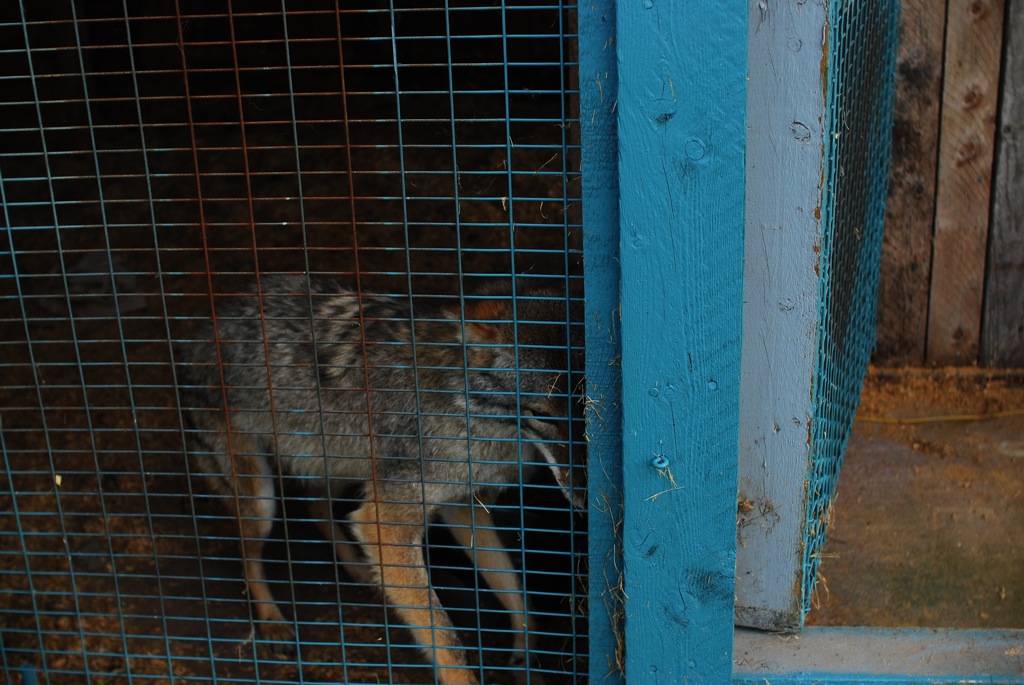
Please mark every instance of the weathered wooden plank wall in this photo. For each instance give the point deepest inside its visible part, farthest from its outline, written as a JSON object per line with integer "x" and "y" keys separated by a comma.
{"x": 941, "y": 301}
{"x": 1003, "y": 321}
{"x": 970, "y": 95}
{"x": 910, "y": 213}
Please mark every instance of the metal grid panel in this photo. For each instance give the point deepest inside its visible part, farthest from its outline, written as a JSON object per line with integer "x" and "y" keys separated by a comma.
{"x": 154, "y": 159}
{"x": 862, "y": 40}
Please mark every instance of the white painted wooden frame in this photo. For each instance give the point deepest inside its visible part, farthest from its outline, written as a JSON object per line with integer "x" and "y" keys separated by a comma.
{"x": 785, "y": 166}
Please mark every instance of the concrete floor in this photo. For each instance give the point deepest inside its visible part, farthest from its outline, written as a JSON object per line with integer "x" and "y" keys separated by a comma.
{"x": 928, "y": 527}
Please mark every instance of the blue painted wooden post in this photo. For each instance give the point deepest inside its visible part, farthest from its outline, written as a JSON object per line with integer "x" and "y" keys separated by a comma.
{"x": 681, "y": 104}
{"x": 598, "y": 87}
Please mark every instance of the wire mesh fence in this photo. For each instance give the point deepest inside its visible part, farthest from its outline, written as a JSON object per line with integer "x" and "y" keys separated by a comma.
{"x": 168, "y": 164}
{"x": 857, "y": 151}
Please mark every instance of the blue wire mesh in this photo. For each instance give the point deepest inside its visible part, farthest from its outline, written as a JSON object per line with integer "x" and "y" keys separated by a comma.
{"x": 862, "y": 39}
{"x": 154, "y": 158}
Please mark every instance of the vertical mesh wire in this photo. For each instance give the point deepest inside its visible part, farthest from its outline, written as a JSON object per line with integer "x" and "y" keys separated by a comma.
{"x": 861, "y": 50}
{"x": 155, "y": 158}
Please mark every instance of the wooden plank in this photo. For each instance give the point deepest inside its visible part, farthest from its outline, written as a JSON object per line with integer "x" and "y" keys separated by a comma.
{"x": 969, "y": 101}
{"x": 910, "y": 212}
{"x": 598, "y": 93}
{"x": 826, "y": 656}
{"x": 785, "y": 115}
{"x": 1002, "y": 340}
{"x": 681, "y": 109}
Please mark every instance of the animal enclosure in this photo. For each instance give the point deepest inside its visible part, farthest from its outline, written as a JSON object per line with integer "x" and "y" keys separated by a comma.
{"x": 315, "y": 316}
{"x": 159, "y": 160}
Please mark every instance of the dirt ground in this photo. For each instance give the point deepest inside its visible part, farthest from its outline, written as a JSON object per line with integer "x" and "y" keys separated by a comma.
{"x": 928, "y": 524}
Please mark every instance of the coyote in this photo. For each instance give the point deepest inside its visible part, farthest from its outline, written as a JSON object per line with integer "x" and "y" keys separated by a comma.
{"x": 428, "y": 416}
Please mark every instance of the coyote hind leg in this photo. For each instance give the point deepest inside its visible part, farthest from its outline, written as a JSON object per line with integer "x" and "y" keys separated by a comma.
{"x": 473, "y": 528}
{"x": 392, "y": 535}
{"x": 254, "y": 502}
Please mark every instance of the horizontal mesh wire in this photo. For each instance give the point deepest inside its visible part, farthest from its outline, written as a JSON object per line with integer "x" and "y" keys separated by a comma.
{"x": 155, "y": 160}
{"x": 861, "y": 70}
